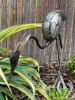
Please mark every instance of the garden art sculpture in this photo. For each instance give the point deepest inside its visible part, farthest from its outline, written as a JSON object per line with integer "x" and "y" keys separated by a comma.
{"x": 51, "y": 31}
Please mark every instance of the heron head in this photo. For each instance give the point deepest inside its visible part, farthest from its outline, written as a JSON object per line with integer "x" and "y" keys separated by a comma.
{"x": 52, "y": 24}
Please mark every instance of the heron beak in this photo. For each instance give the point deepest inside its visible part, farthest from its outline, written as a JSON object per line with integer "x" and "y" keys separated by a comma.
{"x": 22, "y": 43}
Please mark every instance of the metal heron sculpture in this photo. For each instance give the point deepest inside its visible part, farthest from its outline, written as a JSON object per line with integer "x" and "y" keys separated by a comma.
{"x": 50, "y": 29}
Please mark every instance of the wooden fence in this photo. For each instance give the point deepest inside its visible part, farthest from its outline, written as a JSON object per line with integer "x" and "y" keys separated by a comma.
{"x": 28, "y": 11}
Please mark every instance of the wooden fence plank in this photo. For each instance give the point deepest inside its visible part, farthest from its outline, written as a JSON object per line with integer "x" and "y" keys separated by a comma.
{"x": 31, "y": 11}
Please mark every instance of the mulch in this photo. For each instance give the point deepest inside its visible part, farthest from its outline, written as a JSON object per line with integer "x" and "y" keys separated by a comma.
{"x": 49, "y": 72}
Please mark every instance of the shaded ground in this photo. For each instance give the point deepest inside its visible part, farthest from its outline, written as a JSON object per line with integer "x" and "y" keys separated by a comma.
{"x": 49, "y": 73}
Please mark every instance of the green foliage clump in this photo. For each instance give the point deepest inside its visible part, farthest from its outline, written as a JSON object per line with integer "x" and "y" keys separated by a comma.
{"x": 26, "y": 78}
{"x": 55, "y": 95}
{"x": 71, "y": 65}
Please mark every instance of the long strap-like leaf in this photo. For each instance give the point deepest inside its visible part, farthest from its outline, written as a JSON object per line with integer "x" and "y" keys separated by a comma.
{"x": 12, "y": 30}
{"x": 4, "y": 78}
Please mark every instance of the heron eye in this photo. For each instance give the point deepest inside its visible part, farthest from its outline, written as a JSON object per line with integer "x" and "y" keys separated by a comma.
{"x": 49, "y": 28}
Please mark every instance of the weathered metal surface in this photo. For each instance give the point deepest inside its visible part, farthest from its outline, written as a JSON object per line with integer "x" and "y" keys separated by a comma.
{"x": 28, "y": 11}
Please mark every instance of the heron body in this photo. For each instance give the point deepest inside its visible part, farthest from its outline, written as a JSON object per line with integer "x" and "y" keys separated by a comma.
{"x": 52, "y": 25}
{"x": 51, "y": 29}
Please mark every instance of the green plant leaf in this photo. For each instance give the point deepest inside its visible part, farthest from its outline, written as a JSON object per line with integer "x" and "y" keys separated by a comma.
{"x": 31, "y": 71}
{"x": 64, "y": 93}
{"x": 29, "y": 61}
{"x": 5, "y": 49}
{"x": 71, "y": 65}
{"x": 58, "y": 97}
{"x": 4, "y": 78}
{"x": 1, "y": 96}
{"x": 43, "y": 84}
{"x": 43, "y": 92}
{"x": 25, "y": 77}
{"x": 53, "y": 93}
{"x": 6, "y": 98}
{"x": 23, "y": 89}
{"x": 19, "y": 79}
{"x": 12, "y": 30}
{"x": 9, "y": 29}
{"x": 7, "y": 92}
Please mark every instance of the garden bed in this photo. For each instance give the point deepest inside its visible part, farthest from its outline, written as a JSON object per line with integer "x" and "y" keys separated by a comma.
{"x": 49, "y": 74}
